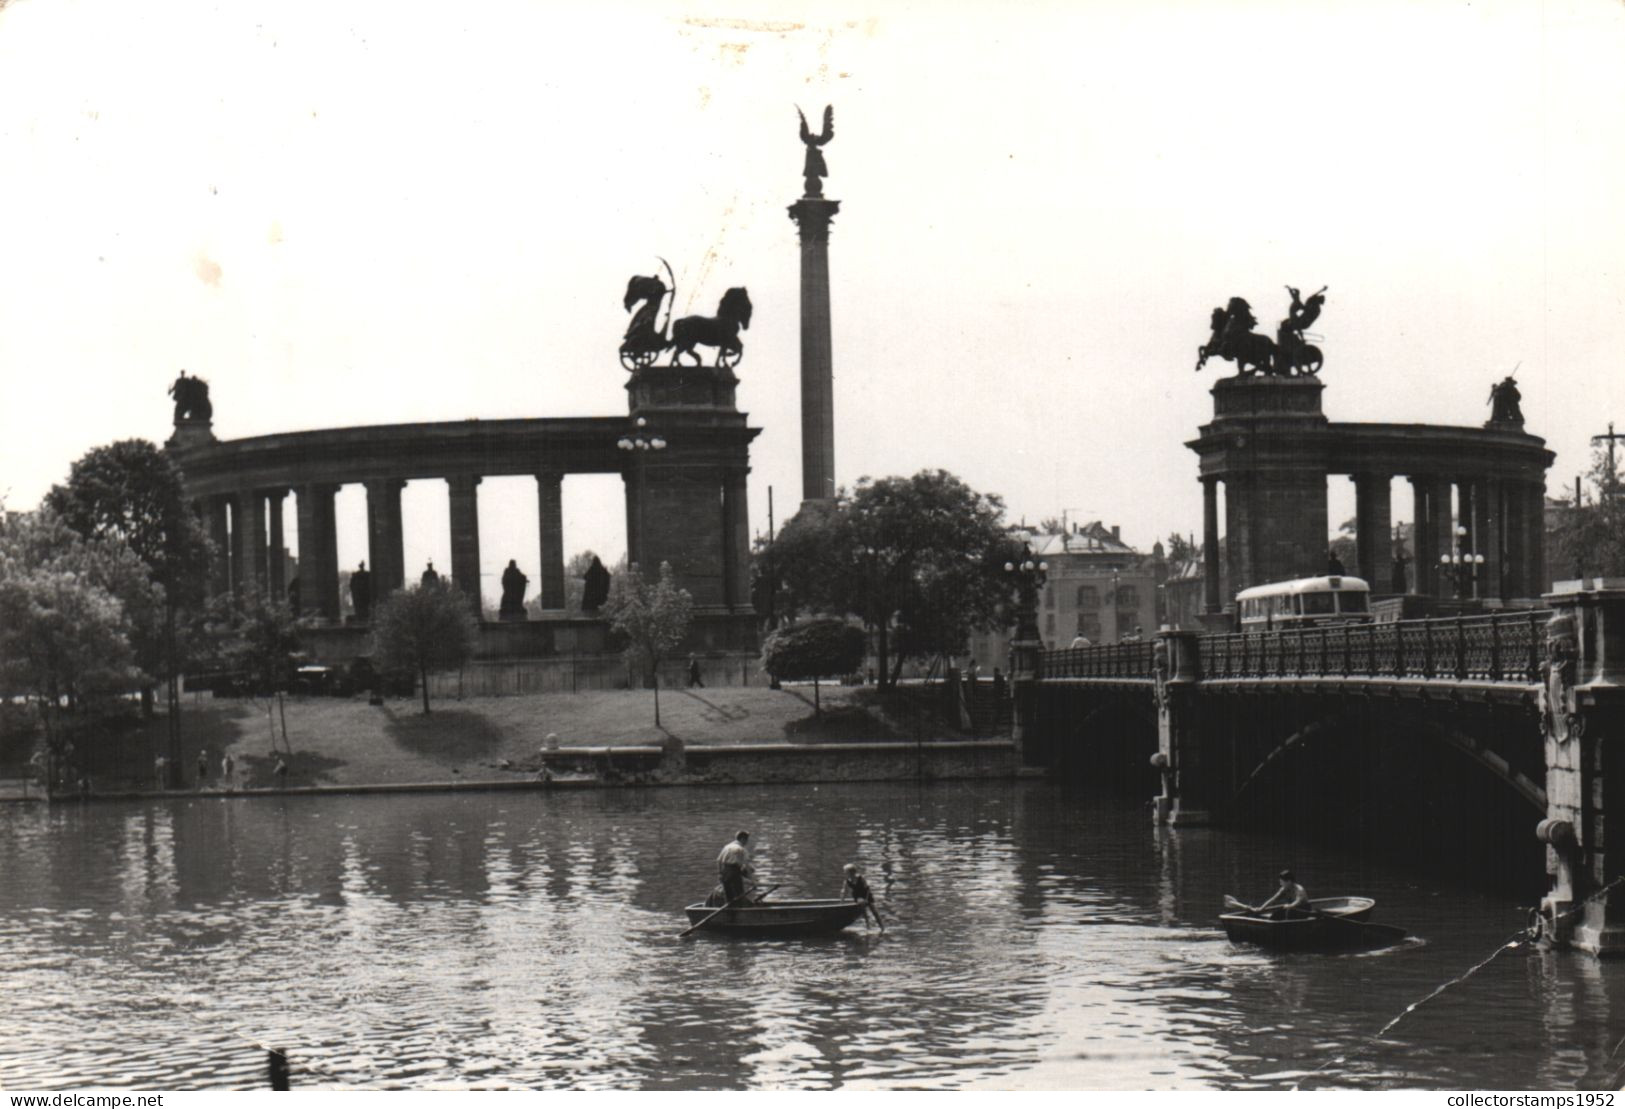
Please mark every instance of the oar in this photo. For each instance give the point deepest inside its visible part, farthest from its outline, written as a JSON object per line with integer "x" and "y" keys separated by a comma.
{"x": 1239, "y": 906}
{"x": 729, "y": 905}
{"x": 1370, "y": 927}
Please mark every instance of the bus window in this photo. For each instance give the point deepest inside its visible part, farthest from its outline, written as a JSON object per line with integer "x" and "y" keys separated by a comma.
{"x": 1352, "y": 602}
{"x": 1317, "y": 604}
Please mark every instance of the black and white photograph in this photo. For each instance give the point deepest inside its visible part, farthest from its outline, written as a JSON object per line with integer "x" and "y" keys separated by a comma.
{"x": 636, "y": 547}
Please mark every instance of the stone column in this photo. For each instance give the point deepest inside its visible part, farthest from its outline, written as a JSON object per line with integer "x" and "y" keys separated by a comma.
{"x": 251, "y": 521}
{"x": 1489, "y": 539}
{"x": 550, "y": 523}
{"x": 318, "y": 551}
{"x": 736, "y": 541}
{"x": 1582, "y": 704}
{"x": 214, "y": 522}
{"x": 1443, "y": 535}
{"x": 1535, "y": 573}
{"x": 385, "y": 544}
{"x": 465, "y": 537}
{"x": 812, "y": 217}
{"x": 1212, "y": 598}
{"x": 1181, "y": 751}
{"x": 276, "y": 565}
{"x": 1373, "y": 530}
{"x": 1422, "y": 556}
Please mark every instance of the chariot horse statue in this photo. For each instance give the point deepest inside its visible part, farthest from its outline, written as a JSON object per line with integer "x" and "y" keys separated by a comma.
{"x": 1290, "y": 354}
{"x": 646, "y": 339}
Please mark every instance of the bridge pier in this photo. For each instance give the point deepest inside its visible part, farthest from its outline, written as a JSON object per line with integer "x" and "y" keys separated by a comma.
{"x": 1582, "y": 713}
{"x": 1182, "y": 746}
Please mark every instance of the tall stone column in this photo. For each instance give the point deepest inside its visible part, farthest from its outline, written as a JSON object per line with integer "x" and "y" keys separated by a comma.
{"x": 550, "y": 523}
{"x": 1212, "y": 598}
{"x": 318, "y": 551}
{"x": 1422, "y": 557}
{"x": 1373, "y": 530}
{"x": 1536, "y": 572}
{"x": 385, "y": 543}
{"x": 251, "y": 524}
{"x": 1183, "y": 748}
{"x": 813, "y": 217}
{"x": 214, "y": 522}
{"x": 276, "y": 563}
{"x": 1489, "y": 538}
{"x": 1443, "y": 526}
{"x": 736, "y": 541}
{"x": 465, "y": 536}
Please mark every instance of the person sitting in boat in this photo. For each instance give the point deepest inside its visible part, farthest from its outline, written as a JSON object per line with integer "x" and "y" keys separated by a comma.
{"x": 1288, "y": 899}
{"x": 856, "y": 888}
{"x": 733, "y": 867}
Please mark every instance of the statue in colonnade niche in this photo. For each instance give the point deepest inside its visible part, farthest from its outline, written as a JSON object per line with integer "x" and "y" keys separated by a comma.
{"x": 596, "y": 590}
{"x": 514, "y": 582}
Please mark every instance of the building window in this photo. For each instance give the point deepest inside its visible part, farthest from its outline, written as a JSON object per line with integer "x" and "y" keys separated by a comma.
{"x": 1088, "y": 598}
{"x": 1128, "y": 597}
{"x": 1089, "y": 626}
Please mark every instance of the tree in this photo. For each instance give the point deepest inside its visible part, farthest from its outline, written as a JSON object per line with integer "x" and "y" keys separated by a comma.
{"x": 258, "y": 638}
{"x": 921, "y": 556}
{"x": 814, "y": 649}
{"x": 65, "y": 627}
{"x": 654, "y": 617}
{"x": 1587, "y": 538}
{"x": 424, "y": 628}
{"x": 131, "y": 491}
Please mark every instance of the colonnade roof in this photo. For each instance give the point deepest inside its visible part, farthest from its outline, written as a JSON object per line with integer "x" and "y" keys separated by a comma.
{"x": 479, "y": 448}
{"x": 1233, "y": 446}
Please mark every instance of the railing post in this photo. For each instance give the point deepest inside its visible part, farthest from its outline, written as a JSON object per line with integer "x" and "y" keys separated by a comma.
{"x": 1461, "y": 648}
{"x": 1537, "y": 626}
{"x": 1495, "y": 649}
{"x": 1323, "y": 638}
{"x": 1427, "y": 648}
{"x": 1348, "y": 636}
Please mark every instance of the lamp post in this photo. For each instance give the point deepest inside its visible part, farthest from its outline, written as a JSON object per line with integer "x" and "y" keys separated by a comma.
{"x": 638, "y": 443}
{"x": 1030, "y": 575}
{"x": 1463, "y": 565}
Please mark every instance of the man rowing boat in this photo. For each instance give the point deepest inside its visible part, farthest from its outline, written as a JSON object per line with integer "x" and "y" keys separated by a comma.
{"x": 1288, "y": 897}
{"x": 733, "y": 867}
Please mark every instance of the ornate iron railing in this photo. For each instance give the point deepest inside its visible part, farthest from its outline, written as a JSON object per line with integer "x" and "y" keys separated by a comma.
{"x": 1109, "y": 660}
{"x": 1503, "y": 647}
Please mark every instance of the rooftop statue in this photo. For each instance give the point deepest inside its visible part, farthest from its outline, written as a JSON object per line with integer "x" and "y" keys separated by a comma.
{"x": 646, "y": 338}
{"x": 1291, "y": 354}
{"x": 1504, "y": 403}
{"x": 814, "y": 171}
{"x": 191, "y": 398}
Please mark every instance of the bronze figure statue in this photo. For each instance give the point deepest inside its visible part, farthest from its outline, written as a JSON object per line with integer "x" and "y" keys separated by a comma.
{"x": 645, "y": 336}
{"x": 191, "y": 398}
{"x": 814, "y": 171}
{"x": 1504, "y": 403}
{"x": 595, "y": 592}
{"x": 1234, "y": 340}
{"x": 514, "y": 582}
{"x": 361, "y": 593}
{"x": 720, "y": 331}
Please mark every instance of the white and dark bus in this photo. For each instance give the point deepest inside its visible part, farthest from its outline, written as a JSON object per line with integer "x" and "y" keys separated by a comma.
{"x": 1304, "y": 602}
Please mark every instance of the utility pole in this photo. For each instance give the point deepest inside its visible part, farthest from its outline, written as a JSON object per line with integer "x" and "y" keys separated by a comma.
{"x": 1612, "y": 486}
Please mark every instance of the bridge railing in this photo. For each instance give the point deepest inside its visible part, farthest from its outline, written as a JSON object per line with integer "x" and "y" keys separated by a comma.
{"x": 1108, "y": 660}
{"x": 1502, "y": 647}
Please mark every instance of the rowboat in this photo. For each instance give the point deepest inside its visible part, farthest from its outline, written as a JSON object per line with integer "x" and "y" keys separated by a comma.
{"x": 1331, "y": 923}
{"x": 776, "y": 918}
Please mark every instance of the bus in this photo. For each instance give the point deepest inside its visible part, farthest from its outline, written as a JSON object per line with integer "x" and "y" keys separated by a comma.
{"x": 1304, "y": 602}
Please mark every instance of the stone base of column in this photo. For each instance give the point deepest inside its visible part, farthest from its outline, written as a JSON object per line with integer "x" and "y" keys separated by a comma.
{"x": 1216, "y": 622}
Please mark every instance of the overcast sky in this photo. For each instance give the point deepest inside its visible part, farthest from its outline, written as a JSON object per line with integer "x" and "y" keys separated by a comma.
{"x": 376, "y": 212}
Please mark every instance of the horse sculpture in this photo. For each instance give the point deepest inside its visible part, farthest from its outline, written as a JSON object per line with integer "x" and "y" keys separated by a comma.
{"x": 646, "y": 339}
{"x": 720, "y": 331}
{"x": 1234, "y": 340}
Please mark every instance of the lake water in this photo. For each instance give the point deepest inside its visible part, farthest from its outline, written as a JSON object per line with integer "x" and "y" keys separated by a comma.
{"x": 1036, "y": 938}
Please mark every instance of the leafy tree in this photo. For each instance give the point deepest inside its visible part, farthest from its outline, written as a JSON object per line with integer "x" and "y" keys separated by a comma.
{"x": 1588, "y": 538}
{"x": 65, "y": 627}
{"x": 814, "y": 649}
{"x": 258, "y": 638}
{"x": 921, "y": 557}
{"x": 1181, "y": 549}
{"x": 131, "y": 491}
{"x": 654, "y": 617}
{"x": 423, "y": 628}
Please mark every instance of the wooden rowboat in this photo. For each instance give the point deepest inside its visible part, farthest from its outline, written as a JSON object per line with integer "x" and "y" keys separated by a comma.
{"x": 1332, "y": 923}
{"x": 776, "y": 918}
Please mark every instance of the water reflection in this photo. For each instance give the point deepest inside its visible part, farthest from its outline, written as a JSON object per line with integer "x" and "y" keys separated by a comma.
{"x": 1034, "y": 939}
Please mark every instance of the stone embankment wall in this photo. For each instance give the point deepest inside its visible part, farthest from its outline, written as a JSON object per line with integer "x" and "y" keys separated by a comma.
{"x": 675, "y": 764}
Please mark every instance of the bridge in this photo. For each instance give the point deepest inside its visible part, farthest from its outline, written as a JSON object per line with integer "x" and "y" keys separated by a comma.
{"x": 1534, "y": 698}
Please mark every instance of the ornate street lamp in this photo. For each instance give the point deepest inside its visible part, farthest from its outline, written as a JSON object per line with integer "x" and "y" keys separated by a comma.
{"x": 1463, "y": 565}
{"x": 639, "y": 443}
{"x": 1030, "y": 575}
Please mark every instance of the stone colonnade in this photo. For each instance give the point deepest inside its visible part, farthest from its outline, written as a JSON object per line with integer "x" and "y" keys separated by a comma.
{"x": 1475, "y": 492}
